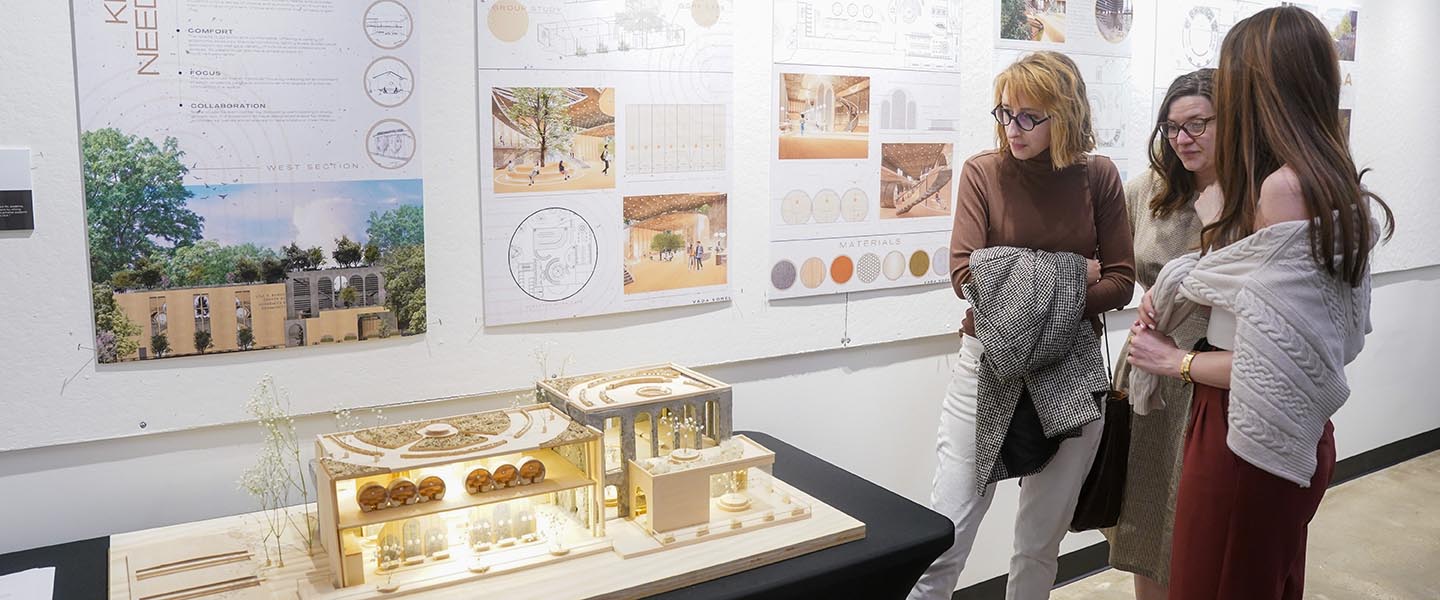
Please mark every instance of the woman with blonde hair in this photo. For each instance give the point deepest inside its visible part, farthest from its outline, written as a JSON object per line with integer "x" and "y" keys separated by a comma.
{"x": 1030, "y": 219}
{"x": 1165, "y": 226}
{"x": 1284, "y": 271}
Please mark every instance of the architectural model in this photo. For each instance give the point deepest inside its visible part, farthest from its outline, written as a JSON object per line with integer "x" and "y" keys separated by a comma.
{"x": 633, "y": 471}
{"x": 649, "y": 450}
{"x": 417, "y": 502}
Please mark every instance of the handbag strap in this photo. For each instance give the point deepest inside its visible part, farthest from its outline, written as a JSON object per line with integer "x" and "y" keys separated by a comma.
{"x": 1105, "y": 345}
{"x": 1095, "y": 225}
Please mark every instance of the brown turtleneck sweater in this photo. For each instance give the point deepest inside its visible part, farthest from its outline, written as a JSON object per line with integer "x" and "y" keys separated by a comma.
{"x": 1003, "y": 201}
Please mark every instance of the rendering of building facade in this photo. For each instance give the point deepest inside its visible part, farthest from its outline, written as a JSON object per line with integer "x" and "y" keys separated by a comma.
{"x": 312, "y": 307}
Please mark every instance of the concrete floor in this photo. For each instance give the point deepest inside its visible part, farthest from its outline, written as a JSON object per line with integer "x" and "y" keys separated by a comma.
{"x": 1377, "y": 537}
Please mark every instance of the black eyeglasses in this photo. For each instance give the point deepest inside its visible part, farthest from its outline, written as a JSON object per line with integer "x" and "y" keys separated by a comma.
{"x": 1194, "y": 127}
{"x": 1025, "y": 121}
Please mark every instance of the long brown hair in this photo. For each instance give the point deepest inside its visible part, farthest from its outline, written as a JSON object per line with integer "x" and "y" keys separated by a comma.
{"x": 1278, "y": 94}
{"x": 1053, "y": 80}
{"x": 1177, "y": 184}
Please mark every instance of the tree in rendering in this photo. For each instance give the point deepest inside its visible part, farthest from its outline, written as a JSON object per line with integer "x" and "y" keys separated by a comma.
{"x": 543, "y": 115}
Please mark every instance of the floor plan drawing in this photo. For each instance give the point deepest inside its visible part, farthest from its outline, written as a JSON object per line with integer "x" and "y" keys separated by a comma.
{"x": 553, "y": 254}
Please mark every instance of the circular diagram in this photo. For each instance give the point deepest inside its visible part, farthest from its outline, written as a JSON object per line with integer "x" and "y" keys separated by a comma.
{"x": 388, "y": 24}
{"x": 854, "y": 205}
{"x": 1201, "y": 36}
{"x": 827, "y": 206}
{"x": 390, "y": 143}
{"x": 389, "y": 81}
{"x": 795, "y": 208}
{"x": 553, "y": 254}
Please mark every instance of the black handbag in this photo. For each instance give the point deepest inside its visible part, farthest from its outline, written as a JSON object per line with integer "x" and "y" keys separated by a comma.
{"x": 1103, "y": 492}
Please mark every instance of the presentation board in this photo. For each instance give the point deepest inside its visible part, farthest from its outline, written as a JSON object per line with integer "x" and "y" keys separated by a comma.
{"x": 866, "y": 144}
{"x": 606, "y": 153}
{"x": 251, "y": 175}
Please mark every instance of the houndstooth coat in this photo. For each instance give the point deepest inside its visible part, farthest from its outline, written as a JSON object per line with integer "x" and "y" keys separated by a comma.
{"x": 1029, "y": 313}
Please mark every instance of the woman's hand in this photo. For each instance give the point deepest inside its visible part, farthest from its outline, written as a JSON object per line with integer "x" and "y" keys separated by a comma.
{"x": 1153, "y": 352}
{"x": 1147, "y": 310}
{"x": 1092, "y": 271}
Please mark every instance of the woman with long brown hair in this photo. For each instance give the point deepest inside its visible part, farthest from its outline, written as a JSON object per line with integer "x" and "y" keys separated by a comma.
{"x": 1165, "y": 226}
{"x": 1285, "y": 273}
{"x": 1030, "y": 216}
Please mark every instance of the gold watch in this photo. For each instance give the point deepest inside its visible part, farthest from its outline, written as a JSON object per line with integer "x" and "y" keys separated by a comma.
{"x": 1185, "y": 366}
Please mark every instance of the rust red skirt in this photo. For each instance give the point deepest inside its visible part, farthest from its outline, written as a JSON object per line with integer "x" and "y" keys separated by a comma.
{"x": 1239, "y": 532}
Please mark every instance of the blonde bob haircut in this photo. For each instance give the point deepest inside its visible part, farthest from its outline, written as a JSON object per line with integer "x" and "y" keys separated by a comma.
{"x": 1053, "y": 81}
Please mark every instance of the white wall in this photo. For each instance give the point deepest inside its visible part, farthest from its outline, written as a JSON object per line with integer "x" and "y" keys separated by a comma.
{"x": 870, "y": 410}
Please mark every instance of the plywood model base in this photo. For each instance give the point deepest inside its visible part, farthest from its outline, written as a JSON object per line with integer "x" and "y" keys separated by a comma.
{"x": 593, "y": 570}
{"x": 195, "y": 567}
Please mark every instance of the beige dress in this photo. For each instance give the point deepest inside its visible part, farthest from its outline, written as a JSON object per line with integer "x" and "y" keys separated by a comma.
{"x": 1140, "y": 541}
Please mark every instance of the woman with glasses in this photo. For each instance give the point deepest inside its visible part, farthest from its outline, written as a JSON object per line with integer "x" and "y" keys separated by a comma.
{"x": 1164, "y": 224}
{"x": 1039, "y": 190}
{"x": 1285, "y": 276}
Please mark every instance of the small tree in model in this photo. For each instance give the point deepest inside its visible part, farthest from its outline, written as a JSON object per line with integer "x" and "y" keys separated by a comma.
{"x": 279, "y": 472}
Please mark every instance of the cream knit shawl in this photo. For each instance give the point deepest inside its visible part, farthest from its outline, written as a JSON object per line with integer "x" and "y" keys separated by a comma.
{"x": 1296, "y": 329}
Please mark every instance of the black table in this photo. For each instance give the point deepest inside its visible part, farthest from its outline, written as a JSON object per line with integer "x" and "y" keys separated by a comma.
{"x": 81, "y": 568}
{"x": 901, "y": 539}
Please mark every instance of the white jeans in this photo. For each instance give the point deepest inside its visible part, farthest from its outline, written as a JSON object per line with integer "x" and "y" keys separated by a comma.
{"x": 1047, "y": 499}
